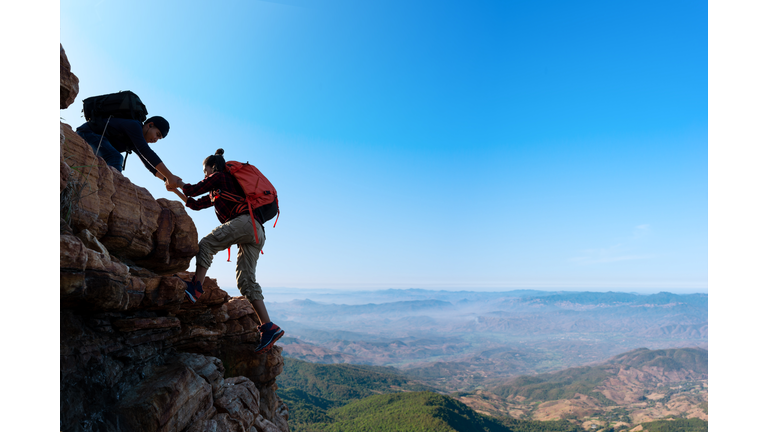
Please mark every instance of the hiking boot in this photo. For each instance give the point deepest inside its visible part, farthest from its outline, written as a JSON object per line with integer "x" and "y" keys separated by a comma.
{"x": 270, "y": 333}
{"x": 194, "y": 290}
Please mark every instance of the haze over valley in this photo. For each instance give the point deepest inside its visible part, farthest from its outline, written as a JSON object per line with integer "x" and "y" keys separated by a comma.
{"x": 465, "y": 340}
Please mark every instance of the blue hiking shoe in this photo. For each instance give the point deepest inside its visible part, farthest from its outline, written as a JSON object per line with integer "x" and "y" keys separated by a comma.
{"x": 270, "y": 333}
{"x": 194, "y": 290}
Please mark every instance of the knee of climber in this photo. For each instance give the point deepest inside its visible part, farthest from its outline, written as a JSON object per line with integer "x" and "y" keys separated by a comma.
{"x": 252, "y": 292}
{"x": 205, "y": 253}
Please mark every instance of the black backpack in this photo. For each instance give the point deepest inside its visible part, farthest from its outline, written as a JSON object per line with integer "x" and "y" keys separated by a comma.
{"x": 124, "y": 104}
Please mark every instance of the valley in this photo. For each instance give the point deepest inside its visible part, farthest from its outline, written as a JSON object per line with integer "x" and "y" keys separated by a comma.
{"x": 466, "y": 341}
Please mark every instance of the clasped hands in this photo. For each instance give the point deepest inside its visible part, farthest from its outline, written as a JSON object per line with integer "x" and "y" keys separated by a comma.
{"x": 173, "y": 182}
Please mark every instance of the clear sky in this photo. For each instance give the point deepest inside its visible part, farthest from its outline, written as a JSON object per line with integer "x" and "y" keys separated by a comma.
{"x": 431, "y": 144}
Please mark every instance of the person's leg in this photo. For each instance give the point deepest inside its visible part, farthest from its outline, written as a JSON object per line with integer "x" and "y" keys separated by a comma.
{"x": 219, "y": 239}
{"x": 200, "y": 272}
{"x": 222, "y": 237}
{"x": 247, "y": 257}
{"x": 261, "y": 311}
{"x": 103, "y": 148}
{"x": 245, "y": 272}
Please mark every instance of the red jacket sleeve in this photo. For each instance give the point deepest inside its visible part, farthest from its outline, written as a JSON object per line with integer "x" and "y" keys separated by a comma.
{"x": 209, "y": 184}
{"x": 200, "y": 203}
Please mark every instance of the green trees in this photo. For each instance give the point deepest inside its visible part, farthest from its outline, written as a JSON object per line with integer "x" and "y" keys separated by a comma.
{"x": 352, "y": 398}
{"x": 426, "y": 412}
{"x": 677, "y": 425}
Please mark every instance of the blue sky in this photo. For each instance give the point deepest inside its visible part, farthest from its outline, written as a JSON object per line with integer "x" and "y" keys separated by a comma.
{"x": 483, "y": 145}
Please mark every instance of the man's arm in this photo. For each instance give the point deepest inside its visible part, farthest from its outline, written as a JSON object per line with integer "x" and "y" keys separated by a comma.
{"x": 150, "y": 159}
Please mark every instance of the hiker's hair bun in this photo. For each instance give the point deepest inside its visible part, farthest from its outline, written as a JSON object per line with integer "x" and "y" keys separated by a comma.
{"x": 219, "y": 152}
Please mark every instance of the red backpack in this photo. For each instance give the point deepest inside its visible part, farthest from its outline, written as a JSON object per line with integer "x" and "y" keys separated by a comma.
{"x": 260, "y": 195}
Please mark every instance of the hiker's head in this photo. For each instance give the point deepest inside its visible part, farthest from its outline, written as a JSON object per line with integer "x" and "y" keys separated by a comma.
{"x": 155, "y": 128}
{"x": 214, "y": 163}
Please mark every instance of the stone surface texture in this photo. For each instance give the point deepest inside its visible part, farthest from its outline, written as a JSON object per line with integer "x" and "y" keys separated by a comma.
{"x": 135, "y": 354}
{"x": 70, "y": 84}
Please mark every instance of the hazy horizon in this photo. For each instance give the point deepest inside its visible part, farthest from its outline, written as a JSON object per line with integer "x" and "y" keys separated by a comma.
{"x": 365, "y": 295}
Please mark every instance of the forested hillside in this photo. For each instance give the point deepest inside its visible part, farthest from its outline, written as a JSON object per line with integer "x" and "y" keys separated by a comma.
{"x": 342, "y": 397}
{"x": 421, "y": 412}
{"x": 312, "y": 389}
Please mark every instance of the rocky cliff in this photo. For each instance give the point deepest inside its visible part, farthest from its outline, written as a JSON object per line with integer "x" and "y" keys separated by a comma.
{"x": 135, "y": 354}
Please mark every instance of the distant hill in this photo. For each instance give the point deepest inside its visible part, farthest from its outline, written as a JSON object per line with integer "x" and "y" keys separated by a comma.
{"x": 693, "y": 359}
{"x": 638, "y": 387}
{"x": 311, "y": 389}
{"x": 424, "y": 412}
{"x": 344, "y": 397}
{"x": 344, "y": 382}
{"x": 662, "y": 366}
{"x": 555, "y": 385}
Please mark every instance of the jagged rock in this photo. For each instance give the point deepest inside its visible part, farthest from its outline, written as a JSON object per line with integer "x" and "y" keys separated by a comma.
{"x": 240, "y": 399}
{"x": 69, "y": 83}
{"x": 107, "y": 355}
{"x": 133, "y": 324}
{"x": 280, "y": 418}
{"x": 264, "y": 425}
{"x": 125, "y": 218}
{"x": 170, "y": 400}
{"x": 90, "y": 241}
{"x": 209, "y": 368}
{"x": 162, "y": 292}
{"x": 261, "y": 369}
{"x": 133, "y": 221}
{"x": 81, "y": 208}
{"x": 175, "y": 239}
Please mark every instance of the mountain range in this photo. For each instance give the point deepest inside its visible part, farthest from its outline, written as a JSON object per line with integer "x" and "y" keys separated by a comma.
{"x": 464, "y": 340}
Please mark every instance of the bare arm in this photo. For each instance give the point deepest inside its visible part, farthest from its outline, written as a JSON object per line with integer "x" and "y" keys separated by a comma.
{"x": 181, "y": 195}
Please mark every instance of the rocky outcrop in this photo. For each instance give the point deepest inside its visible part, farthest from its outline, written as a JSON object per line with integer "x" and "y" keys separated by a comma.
{"x": 70, "y": 84}
{"x": 135, "y": 354}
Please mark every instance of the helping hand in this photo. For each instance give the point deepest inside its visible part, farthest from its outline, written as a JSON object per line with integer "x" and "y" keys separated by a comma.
{"x": 173, "y": 182}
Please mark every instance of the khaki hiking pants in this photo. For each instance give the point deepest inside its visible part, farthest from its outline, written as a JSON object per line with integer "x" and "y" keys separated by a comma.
{"x": 237, "y": 231}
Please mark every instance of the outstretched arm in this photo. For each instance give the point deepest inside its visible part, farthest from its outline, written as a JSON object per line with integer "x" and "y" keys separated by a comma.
{"x": 181, "y": 195}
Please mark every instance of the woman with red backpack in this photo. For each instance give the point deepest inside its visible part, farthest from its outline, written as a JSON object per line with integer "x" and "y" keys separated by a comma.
{"x": 239, "y": 227}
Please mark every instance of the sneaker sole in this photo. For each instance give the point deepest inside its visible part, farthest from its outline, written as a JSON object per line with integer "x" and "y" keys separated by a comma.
{"x": 190, "y": 297}
{"x": 274, "y": 339}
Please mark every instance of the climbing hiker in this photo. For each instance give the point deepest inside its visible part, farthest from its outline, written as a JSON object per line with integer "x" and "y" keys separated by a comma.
{"x": 112, "y": 129}
{"x": 227, "y": 196}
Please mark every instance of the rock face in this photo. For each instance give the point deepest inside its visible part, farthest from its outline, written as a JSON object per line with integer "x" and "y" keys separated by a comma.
{"x": 135, "y": 354}
{"x": 70, "y": 84}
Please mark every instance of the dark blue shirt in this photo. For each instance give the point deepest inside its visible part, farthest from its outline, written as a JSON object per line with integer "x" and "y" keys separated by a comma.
{"x": 124, "y": 135}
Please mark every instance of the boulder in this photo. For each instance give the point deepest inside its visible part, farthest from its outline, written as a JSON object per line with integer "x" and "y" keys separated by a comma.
{"x": 69, "y": 83}
{"x": 172, "y": 398}
{"x": 156, "y": 234}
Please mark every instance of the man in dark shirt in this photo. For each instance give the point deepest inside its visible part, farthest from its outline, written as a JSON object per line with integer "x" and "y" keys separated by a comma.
{"x": 130, "y": 135}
